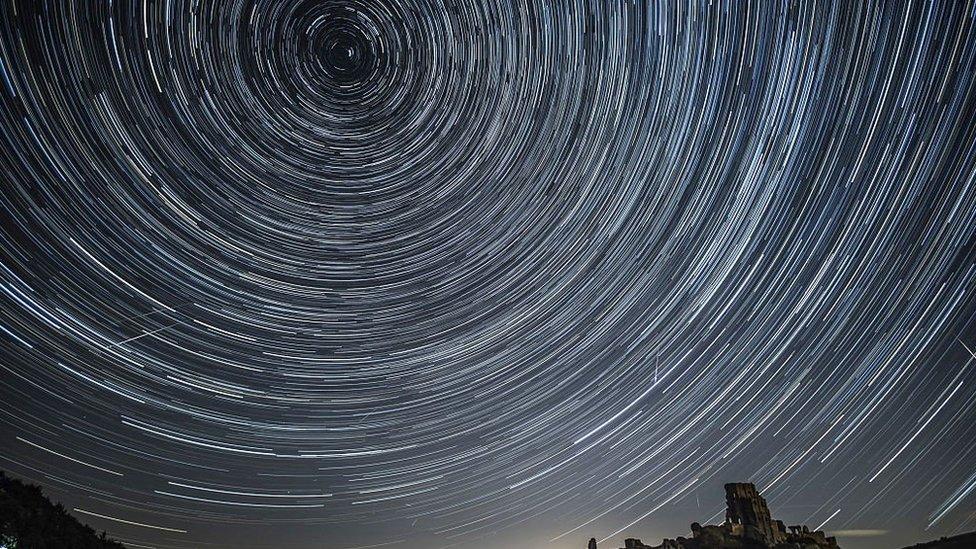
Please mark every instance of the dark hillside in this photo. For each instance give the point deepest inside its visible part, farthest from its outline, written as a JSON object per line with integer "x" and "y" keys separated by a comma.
{"x": 28, "y": 520}
{"x": 964, "y": 541}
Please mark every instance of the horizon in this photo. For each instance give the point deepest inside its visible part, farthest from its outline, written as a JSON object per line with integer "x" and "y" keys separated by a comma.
{"x": 616, "y": 541}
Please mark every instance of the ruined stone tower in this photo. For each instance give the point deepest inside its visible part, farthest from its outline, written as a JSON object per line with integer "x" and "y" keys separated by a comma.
{"x": 745, "y": 507}
{"x": 747, "y": 525}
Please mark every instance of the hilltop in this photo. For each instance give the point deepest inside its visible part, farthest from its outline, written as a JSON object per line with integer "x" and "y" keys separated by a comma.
{"x": 29, "y": 520}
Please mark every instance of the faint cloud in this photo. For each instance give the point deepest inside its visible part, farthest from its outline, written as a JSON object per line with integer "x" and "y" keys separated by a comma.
{"x": 858, "y": 533}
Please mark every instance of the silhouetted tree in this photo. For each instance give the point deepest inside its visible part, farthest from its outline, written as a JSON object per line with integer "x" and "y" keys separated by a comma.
{"x": 28, "y": 520}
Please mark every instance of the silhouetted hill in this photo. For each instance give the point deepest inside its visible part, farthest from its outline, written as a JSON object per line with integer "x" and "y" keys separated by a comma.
{"x": 964, "y": 541}
{"x": 28, "y": 520}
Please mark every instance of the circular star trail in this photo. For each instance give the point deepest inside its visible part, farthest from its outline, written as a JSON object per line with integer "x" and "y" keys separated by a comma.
{"x": 413, "y": 273}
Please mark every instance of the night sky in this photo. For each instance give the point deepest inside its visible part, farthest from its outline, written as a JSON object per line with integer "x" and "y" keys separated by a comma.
{"x": 495, "y": 274}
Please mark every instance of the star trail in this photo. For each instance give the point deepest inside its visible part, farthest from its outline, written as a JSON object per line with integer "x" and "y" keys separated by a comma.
{"x": 495, "y": 274}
